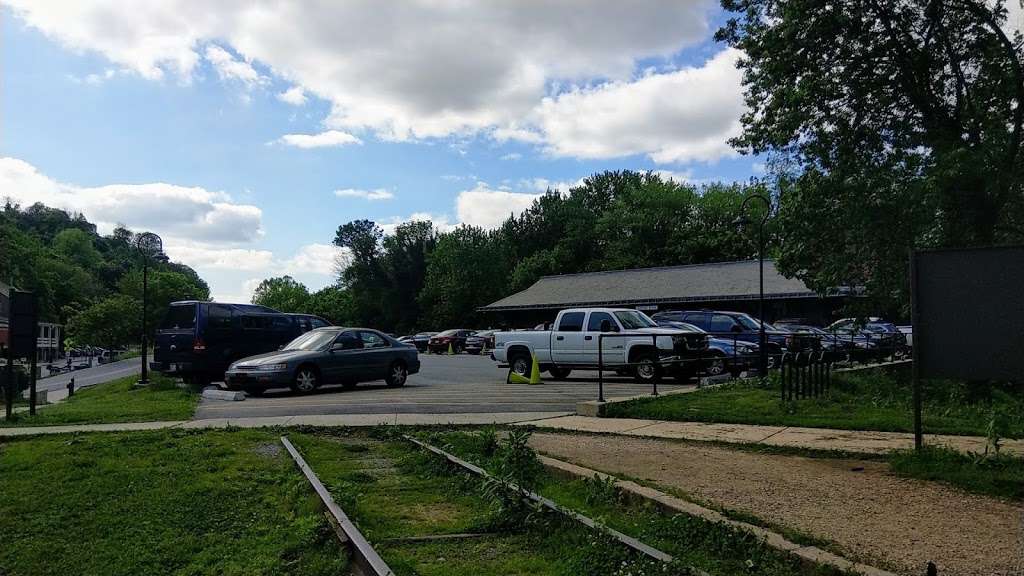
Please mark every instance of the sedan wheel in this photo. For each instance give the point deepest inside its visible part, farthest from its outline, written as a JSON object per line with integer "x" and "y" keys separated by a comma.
{"x": 716, "y": 367}
{"x": 397, "y": 375}
{"x": 305, "y": 381}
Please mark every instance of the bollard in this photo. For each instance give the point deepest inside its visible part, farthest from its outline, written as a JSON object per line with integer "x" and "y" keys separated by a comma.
{"x": 932, "y": 570}
{"x": 71, "y": 388}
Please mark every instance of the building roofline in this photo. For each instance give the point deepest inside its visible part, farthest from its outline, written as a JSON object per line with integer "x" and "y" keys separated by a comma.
{"x": 642, "y": 301}
{"x": 676, "y": 267}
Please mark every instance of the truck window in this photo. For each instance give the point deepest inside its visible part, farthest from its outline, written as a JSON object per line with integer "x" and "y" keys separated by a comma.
{"x": 721, "y": 323}
{"x": 594, "y": 323}
{"x": 571, "y": 322}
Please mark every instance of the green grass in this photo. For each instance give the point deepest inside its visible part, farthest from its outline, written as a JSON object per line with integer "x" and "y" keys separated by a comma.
{"x": 1000, "y": 476}
{"x": 116, "y": 401}
{"x": 713, "y": 547}
{"x": 873, "y": 400}
{"x": 166, "y": 502}
{"x": 394, "y": 490}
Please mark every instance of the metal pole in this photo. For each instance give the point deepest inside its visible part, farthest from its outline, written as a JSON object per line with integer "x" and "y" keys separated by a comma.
{"x": 657, "y": 356}
{"x": 145, "y": 302}
{"x": 763, "y": 368}
{"x": 9, "y": 389}
{"x": 600, "y": 367}
{"x": 32, "y": 382}
{"x": 915, "y": 370}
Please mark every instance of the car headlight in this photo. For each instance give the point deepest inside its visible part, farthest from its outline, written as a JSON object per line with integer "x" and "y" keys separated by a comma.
{"x": 272, "y": 367}
{"x": 745, "y": 349}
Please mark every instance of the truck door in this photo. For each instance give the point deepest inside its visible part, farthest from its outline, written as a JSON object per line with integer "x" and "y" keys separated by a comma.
{"x": 611, "y": 348}
{"x": 567, "y": 339}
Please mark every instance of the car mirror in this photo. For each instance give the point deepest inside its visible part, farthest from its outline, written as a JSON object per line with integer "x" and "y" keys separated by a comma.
{"x": 606, "y": 326}
{"x": 736, "y": 328}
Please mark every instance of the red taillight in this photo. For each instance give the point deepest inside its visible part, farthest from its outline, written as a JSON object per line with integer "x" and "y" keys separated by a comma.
{"x": 198, "y": 345}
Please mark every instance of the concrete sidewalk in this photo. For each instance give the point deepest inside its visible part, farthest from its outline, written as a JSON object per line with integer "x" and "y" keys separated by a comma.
{"x": 312, "y": 420}
{"x": 860, "y": 441}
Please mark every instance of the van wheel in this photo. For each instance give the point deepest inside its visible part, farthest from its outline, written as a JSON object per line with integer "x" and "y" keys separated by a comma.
{"x": 647, "y": 369}
{"x": 559, "y": 373}
{"x": 397, "y": 375}
{"x": 306, "y": 380}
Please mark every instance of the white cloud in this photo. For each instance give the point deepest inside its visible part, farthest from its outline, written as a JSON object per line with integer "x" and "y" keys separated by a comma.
{"x": 295, "y": 96}
{"x": 201, "y": 256}
{"x": 172, "y": 211}
{"x": 444, "y": 68}
{"x": 323, "y": 259}
{"x": 321, "y": 140}
{"x": 680, "y": 116}
{"x": 488, "y": 208}
{"x": 441, "y": 222}
{"x": 230, "y": 68}
{"x": 377, "y": 194}
{"x": 512, "y": 156}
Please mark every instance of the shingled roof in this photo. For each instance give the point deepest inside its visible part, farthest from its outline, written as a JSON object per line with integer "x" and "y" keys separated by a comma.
{"x": 692, "y": 283}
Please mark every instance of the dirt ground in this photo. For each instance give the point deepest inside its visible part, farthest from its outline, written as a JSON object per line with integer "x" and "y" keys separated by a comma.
{"x": 874, "y": 517}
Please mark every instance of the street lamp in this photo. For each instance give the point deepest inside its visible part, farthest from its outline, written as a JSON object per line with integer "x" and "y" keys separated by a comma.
{"x": 742, "y": 220}
{"x": 150, "y": 246}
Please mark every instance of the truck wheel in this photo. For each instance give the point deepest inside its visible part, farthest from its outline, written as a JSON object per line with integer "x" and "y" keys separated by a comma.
{"x": 520, "y": 364}
{"x": 647, "y": 369}
{"x": 559, "y": 373}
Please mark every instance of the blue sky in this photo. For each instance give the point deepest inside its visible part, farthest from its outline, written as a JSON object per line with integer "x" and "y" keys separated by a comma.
{"x": 245, "y": 136}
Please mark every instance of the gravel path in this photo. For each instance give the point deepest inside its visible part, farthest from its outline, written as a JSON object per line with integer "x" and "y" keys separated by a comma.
{"x": 875, "y": 517}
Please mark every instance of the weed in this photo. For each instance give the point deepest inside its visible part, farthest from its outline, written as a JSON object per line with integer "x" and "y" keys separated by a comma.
{"x": 601, "y": 490}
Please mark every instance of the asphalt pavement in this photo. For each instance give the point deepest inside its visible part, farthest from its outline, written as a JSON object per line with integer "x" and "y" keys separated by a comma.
{"x": 444, "y": 385}
{"x": 90, "y": 376}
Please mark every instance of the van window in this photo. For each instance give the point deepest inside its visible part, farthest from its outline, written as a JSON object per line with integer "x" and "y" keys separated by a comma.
{"x": 318, "y": 323}
{"x": 571, "y": 322}
{"x": 179, "y": 317}
{"x": 256, "y": 322}
{"x": 218, "y": 317}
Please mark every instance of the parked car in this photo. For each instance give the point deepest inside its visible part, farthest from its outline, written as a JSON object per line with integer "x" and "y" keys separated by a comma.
{"x": 881, "y": 338}
{"x": 419, "y": 340}
{"x": 835, "y": 348}
{"x": 724, "y": 324}
{"x": 480, "y": 341}
{"x": 454, "y": 339}
{"x": 724, "y": 355}
{"x": 332, "y": 355}
{"x": 199, "y": 340}
{"x": 646, "y": 349}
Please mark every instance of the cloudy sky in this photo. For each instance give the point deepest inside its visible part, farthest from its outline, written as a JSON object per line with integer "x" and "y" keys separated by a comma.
{"x": 245, "y": 131}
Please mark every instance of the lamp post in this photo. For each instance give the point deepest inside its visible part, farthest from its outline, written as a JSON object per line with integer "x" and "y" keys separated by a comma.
{"x": 743, "y": 220}
{"x": 149, "y": 246}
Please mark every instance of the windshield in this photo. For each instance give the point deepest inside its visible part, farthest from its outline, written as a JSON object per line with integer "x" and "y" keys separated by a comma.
{"x": 449, "y": 333}
{"x": 632, "y": 320}
{"x": 748, "y": 322}
{"x": 315, "y": 340}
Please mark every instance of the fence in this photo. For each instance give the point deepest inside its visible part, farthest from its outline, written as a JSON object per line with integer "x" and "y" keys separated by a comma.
{"x": 804, "y": 360}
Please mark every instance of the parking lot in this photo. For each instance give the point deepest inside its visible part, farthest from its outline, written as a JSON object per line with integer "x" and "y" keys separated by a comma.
{"x": 445, "y": 385}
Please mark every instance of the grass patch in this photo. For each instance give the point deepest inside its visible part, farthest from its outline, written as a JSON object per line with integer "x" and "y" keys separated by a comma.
{"x": 163, "y": 502}
{"x": 873, "y": 400}
{"x": 715, "y": 548}
{"x": 1001, "y": 476}
{"x": 116, "y": 401}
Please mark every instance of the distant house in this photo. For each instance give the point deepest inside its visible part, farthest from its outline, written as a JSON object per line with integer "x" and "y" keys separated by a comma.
{"x": 720, "y": 286}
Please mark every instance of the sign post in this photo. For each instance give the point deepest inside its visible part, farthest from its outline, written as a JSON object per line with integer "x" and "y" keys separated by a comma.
{"x": 24, "y": 337}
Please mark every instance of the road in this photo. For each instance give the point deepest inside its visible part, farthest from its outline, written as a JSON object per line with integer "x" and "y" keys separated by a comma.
{"x": 445, "y": 385}
{"x": 90, "y": 376}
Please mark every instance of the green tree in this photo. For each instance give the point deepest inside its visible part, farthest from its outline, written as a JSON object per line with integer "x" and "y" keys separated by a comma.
{"x": 363, "y": 275}
{"x": 76, "y": 246}
{"x": 333, "y": 304}
{"x": 164, "y": 287}
{"x": 404, "y": 265}
{"x": 109, "y": 323}
{"x": 283, "y": 293}
{"x": 462, "y": 275}
{"x": 890, "y": 126}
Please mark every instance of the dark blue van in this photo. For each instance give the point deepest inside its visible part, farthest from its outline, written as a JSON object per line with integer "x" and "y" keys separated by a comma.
{"x": 199, "y": 340}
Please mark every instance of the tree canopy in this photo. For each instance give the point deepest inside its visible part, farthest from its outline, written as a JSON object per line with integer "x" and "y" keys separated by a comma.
{"x": 890, "y": 125}
{"x": 282, "y": 293}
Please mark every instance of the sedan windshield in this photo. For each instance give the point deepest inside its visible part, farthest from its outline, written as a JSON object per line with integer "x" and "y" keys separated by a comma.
{"x": 632, "y": 320}
{"x": 315, "y": 340}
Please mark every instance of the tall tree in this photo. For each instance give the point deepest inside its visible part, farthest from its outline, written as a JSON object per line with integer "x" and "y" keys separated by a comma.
{"x": 891, "y": 125}
{"x": 363, "y": 275}
{"x": 283, "y": 293}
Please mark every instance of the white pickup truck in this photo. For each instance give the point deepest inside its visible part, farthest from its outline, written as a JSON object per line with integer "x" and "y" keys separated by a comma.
{"x": 631, "y": 342}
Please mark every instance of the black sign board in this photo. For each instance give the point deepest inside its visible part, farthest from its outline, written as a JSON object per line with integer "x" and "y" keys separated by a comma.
{"x": 968, "y": 307}
{"x": 23, "y": 324}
